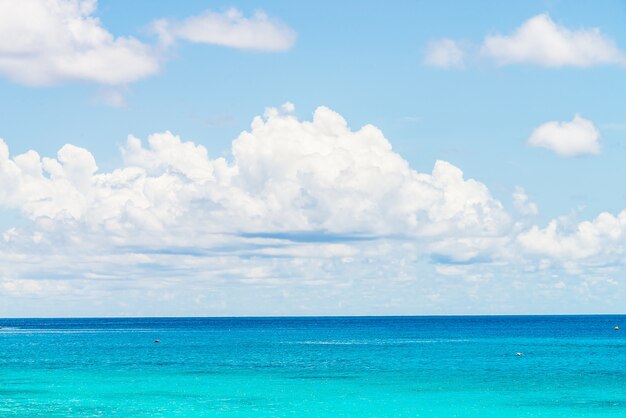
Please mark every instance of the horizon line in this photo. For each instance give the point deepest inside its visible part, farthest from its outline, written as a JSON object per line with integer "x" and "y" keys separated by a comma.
{"x": 318, "y": 316}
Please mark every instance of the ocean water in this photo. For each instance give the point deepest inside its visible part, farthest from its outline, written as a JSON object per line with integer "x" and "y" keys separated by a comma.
{"x": 572, "y": 366}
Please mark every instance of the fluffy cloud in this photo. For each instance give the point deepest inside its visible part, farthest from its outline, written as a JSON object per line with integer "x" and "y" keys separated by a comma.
{"x": 567, "y": 139}
{"x": 538, "y": 41}
{"x": 304, "y": 211}
{"x": 44, "y": 42}
{"x": 603, "y": 236}
{"x": 306, "y": 216}
{"x": 444, "y": 53}
{"x": 286, "y": 176}
{"x": 230, "y": 28}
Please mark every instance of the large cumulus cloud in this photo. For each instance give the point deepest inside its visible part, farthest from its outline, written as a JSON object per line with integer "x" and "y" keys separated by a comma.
{"x": 285, "y": 175}
{"x": 311, "y": 213}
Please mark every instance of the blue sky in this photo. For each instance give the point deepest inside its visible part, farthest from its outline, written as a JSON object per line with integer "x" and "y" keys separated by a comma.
{"x": 235, "y": 239}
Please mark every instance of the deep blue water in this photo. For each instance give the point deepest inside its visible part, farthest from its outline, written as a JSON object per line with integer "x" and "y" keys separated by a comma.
{"x": 352, "y": 366}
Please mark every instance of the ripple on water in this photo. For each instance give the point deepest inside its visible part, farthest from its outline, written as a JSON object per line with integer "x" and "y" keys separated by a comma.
{"x": 376, "y": 342}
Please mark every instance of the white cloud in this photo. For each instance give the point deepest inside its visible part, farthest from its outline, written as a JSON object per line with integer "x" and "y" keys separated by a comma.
{"x": 286, "y": 175}
{"x": 305, "y": 202}
{"x": 444, "y": 53}
{"x": 44, "y": 42}
{"x": 603, "y": 237}
{"x": 308, "y": 216}
{"x": 111, "y": 97}
{"x": 567, "y": 139}
{"x": 47, "y": 42}
{"x": 540, "y": 41}
{"x": 230, "y": 28}
{"x": 523, "y": 204}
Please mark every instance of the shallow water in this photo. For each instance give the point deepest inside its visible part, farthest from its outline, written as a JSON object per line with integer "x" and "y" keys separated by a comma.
{"x": 390, "y": 366}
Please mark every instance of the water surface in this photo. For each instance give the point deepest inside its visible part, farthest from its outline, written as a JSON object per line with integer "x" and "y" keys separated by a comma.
{"x": 367, "y": 366}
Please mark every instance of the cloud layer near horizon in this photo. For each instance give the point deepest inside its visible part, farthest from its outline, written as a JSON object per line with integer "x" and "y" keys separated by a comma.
{"x": 312, "y": 202}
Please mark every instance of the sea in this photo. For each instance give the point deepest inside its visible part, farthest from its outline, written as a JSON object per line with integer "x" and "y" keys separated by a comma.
{"x": 448, "y": 366}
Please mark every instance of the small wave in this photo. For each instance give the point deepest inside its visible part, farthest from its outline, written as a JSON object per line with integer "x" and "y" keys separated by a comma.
{"x": 333, "y": 342}
{"x": 378, "y": 342}
{"x": 13, "y": 330}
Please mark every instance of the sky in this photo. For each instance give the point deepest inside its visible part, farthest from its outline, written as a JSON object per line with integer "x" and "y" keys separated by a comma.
{"x": 250, "y": 158}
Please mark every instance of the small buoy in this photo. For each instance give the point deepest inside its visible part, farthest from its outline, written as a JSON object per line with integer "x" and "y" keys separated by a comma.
{"x": 616, "y": 328}
{"x": 518, "y": 354}
{"x": 157, "y": 341}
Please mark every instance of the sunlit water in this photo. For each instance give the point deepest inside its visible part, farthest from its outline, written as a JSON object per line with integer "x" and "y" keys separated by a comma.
{"x": 396, "y": 366}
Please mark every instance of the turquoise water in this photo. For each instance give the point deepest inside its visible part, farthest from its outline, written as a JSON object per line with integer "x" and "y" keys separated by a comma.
{"x": 391, "y": 366}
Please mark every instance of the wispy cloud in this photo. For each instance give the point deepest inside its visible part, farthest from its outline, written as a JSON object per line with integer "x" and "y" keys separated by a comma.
{"x": 523, "y": 204}
{"x": 230, "y": 28}
{"x": 445, "y": 53}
